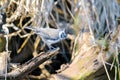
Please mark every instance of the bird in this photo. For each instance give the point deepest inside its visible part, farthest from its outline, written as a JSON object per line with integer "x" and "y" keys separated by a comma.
{"x": 49, "y": 35}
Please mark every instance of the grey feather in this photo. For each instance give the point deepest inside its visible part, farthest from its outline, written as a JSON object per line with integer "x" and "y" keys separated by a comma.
{"x": 49, "y": 35}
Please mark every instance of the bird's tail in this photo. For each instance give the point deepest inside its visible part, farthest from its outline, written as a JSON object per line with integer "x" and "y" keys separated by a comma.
{"x": 30, "y": 28}
{"x": 36, "y": 30}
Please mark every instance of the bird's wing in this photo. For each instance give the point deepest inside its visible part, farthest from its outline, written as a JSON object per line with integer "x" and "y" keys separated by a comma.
{"x": 48, "y": 33}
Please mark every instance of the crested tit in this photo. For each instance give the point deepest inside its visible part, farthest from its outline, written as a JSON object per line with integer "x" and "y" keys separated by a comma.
{"x": 49, "y": 35}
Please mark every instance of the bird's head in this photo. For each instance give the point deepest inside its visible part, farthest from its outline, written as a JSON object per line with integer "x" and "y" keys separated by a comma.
{"x": 62, "y": 34}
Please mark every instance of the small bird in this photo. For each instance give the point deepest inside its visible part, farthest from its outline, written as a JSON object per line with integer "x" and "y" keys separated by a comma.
{"x": 49, "y": 35}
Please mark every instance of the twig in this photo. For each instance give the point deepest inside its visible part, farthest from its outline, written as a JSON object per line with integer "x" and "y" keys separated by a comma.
{"x": 6, "y": 31}
{"x": 30, "y": 65}
{"x": 4, "y": 6}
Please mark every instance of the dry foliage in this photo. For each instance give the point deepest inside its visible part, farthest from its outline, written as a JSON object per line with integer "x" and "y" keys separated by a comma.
{"x": 92, "y": 26}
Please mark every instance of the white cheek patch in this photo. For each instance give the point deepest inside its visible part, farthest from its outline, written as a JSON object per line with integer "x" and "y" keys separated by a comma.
{"x": 62, "y": 35}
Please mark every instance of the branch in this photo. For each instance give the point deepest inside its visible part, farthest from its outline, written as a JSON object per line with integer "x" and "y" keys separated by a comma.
{"x": 30, "y": 65}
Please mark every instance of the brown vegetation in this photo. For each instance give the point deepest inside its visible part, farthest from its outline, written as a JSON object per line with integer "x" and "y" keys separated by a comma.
{"x": 90, "y": 52}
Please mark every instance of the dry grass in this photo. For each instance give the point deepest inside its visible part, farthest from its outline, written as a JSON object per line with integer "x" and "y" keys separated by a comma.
{"x": 99, "y": 17}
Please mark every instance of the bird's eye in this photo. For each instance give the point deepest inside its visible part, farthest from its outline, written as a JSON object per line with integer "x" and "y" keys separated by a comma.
{"x": 63, "y": 35}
